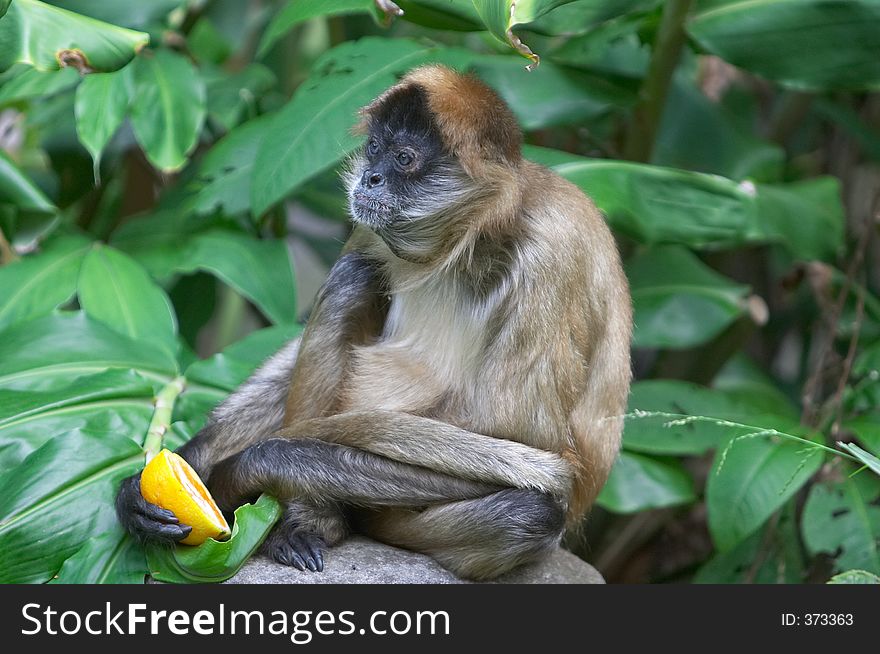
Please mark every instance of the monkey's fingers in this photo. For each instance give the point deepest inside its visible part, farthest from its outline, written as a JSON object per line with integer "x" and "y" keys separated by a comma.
{"x": 159, "y": 531}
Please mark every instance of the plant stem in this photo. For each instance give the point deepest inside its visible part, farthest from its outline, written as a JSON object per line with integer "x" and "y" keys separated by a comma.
{"x": 229, "y": 317}
{"x": 652, "y": 96}
{"x": 161, "y": 420}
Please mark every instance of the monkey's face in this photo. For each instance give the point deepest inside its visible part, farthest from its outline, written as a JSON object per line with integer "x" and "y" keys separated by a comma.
{"x": 402, "y": 178}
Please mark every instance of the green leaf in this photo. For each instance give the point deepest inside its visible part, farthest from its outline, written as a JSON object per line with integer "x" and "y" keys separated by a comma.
{"x": 215, "y": 561}
{"x": 116, "y": 291}
{"x": 228, "y": 369}
{"x": 31, "y": 84}
{"x": 770, "y": 556}
{"x": 583, "y": 16}
{"x": 232, "y": 98}
{"x": 548, "y": 96}
{"x": 666, "y": 434}
{"x": 639, "y": 483}
{"x": 867, "y": 429}
{"x": 137, "y": 15}
{"x": 261, "y": 270}
{"x": 855, "y": 577}
{"x": 113, "y": 403}
{"x": 222, "y": 179}
{"x": 341, "y": 82}
{"x": 843, "y": 520}
{"x": 167, "y": 109}
{"x": 296, "y": 12}
{"x": 457, "y": 15}
{"x": 867, "y": 459}
{"x": 679, "y": 301}
{"x": 752, "y": 478}
{"x": 48, "y": 37}
{"x": 101, "y": 103}
{"x": 501, "y": 17}
{"x": 663, "y": 205}
{"x": 48, "y": 352}
{"x": 807, "y": 217}
{"x": 38, "y": 283}
{"x": 803, "y": 44}
{"x": 700, "y": 135}
{"x": 111, "y": 558}
{"x": 19, "y": 191}
{"x": 60, "y": 496}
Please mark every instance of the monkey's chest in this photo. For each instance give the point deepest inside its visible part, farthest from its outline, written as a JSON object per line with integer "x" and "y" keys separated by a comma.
{"x": 428, "y": 355}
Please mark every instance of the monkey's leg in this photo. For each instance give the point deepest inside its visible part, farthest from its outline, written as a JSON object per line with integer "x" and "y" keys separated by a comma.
{"x": 315, "y": 477}
{"x": 476, "y": 538}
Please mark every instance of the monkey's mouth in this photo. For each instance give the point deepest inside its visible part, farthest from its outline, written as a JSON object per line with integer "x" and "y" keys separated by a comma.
{"x": 369, "y": 210}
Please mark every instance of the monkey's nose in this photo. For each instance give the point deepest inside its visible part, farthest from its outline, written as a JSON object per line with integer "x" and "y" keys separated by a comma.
{"x": 372, "y": 180}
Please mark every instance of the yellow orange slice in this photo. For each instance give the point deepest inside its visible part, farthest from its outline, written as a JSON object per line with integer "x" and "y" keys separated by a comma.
{"x": 170, "y": 482}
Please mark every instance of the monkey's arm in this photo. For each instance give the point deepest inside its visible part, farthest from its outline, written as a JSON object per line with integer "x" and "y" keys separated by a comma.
{"x": 350, "y": 309}
{"x": 387, "y": 458}
{"x": 254, "y": 410}
{"x": 347, "y": 308}
{"x": 442, "y": 447}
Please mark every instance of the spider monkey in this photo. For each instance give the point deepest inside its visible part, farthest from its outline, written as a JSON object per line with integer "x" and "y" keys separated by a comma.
{"x": 459, "y": 387}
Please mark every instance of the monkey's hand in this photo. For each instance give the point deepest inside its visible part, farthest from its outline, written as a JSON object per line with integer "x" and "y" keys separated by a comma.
{"x": 147, "y": 522}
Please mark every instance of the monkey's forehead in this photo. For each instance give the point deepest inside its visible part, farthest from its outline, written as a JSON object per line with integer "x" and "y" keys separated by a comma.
{"x": 402, "y": 108}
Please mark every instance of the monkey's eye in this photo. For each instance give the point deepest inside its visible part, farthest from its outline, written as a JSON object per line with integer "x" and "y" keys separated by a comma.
{"x": 373, "y": 147}
{"x": 405, "y": 158}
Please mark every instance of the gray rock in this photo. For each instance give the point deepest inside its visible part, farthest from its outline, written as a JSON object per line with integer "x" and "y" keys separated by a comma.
{"x": 362, "y": 561}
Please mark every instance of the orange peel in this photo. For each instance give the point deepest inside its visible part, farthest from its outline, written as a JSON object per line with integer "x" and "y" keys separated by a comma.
{"x": 170, "y": 482}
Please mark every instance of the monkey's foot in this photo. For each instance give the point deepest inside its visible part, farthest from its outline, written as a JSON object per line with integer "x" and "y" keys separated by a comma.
{"x": 301, "y": 549}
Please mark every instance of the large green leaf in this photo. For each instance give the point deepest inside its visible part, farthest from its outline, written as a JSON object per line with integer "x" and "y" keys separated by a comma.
{"x": 167, "y": 108}
{"x": 458, "y": 15}
{"x": 229, "y": 368}
{"x": 16, "y": 189}
{"x": 675, "y": 431}
{"x": 296, "y": 12}
{"x": 118, "y": 292}
{"x": 678, "y": 301}
{"x": 639, "y": 483}
{"x": 215, "y": 561}
{"x": 296, "y": 146}
{"x": 48, "y": 352}
{"x": 550, "y": 95}
{"x": 38, "y": 283}
{"x": 752, "y": 478}
{"x": 770, "y": 556}
{"x": 502, "y": 16}
{"x": 114, "y": 403}
{"x": 57, "y": 498}
{"x": 261, "y": 270}
{"x": 100, "y": 107}
{"x": 232, "y": 98}
{"x": 842, "y": 519}
{"x": 137, "y": 15}
{"x": 48, "y": 37}
{"x": 653, "y": 204}
{"x": 222, "y": 179}
{"x": 804, "y": 44}
{"x": 700, "y": 135}
{"x": 30, "y": 83}
{"x": 111, "y": 558}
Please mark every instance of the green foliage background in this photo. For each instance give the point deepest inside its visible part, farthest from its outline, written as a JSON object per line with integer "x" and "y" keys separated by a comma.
{"x": 169, "y": 203}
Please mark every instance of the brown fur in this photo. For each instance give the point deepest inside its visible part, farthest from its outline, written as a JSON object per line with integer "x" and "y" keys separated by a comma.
{"x": 555, "y": 373}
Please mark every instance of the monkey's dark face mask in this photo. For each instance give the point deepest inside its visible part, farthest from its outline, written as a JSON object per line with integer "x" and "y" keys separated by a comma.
{"x": 402, "y": 177}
